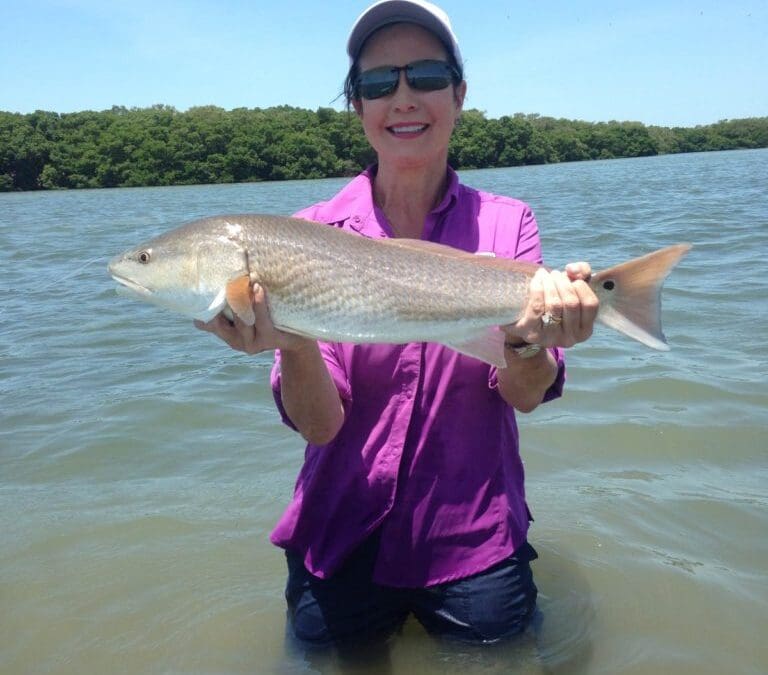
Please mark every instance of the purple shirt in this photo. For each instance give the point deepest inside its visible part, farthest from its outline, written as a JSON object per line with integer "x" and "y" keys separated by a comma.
{"x": 428, "y": 450}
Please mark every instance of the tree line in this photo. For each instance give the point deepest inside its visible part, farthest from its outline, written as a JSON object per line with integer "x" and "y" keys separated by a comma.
{"x": 129, "y": 147}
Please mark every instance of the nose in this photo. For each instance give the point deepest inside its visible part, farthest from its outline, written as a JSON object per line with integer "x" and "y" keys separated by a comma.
{"x": 404, "y": 97}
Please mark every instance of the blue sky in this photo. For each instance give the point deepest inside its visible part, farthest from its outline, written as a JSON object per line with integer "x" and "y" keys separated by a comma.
{"x": 671, "y": 63}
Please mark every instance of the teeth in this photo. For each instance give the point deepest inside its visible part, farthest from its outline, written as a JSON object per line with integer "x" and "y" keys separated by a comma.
{"x": 409, "y": 129}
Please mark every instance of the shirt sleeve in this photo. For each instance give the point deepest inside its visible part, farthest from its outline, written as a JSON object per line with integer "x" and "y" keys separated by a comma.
{"x": 529, "y": 249}
{"x": 555, "y": 390}
{"x": 528, "y": 243}
{"x": 335, "y": 368}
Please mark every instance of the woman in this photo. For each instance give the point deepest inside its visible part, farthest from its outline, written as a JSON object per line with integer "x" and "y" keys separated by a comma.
{"x": 411, "y": 497}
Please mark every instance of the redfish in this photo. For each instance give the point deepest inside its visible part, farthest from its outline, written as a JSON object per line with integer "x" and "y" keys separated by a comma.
{"x": 331, "y": 285}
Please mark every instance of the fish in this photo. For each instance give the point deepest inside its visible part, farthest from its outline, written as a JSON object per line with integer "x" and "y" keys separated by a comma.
{"x": 327, "y": 284}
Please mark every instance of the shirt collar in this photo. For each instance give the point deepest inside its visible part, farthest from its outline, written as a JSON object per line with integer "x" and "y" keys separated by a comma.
{"x": 354, "y": 203}
{"x": 450, "y": 195}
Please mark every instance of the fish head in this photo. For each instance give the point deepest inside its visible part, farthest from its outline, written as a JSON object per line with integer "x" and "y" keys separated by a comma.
{"x": 185, "y": 270}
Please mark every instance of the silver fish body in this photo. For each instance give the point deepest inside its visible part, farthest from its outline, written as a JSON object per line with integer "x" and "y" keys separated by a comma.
{"x": 332, "y": 285}
{"x": 328, "y": 284}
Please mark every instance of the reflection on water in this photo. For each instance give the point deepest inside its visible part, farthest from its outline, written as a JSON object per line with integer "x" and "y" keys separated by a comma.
{"x": 564, "y": 642}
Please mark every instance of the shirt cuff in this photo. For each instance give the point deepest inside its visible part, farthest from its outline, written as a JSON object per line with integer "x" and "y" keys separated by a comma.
{"x": 339, "y": 380}
{"x": 555, "y": 390}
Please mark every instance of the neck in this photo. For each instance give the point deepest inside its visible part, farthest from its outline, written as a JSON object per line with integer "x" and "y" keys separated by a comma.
{"x": 407, "y": 196}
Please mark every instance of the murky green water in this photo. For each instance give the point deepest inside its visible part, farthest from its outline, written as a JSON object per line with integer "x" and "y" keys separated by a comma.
{"x": 142, "y": 464}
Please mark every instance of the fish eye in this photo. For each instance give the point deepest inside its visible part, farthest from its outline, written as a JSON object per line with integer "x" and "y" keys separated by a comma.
{"x": 609, "y": 284}
{"x": 144, "y": 257}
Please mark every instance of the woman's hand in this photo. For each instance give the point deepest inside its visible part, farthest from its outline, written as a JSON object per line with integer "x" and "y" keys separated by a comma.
{"x": 260, "y": 337}
{"x": 561, "y": 308}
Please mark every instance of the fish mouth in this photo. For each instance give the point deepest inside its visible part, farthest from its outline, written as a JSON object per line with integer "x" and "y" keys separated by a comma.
{"x": 131, "y": 285}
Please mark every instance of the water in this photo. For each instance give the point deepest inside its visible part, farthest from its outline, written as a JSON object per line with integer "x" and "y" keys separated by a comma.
{"x": 142, "y": 464}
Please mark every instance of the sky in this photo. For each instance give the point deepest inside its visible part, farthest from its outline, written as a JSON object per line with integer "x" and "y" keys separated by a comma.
{"x": 661, "y": 62}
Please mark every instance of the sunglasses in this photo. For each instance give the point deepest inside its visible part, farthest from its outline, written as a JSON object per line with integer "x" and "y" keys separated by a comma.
{"x": 427, "y": 75}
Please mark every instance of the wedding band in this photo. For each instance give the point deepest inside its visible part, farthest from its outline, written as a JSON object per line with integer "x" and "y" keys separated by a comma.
{"x": 548, "y": 320}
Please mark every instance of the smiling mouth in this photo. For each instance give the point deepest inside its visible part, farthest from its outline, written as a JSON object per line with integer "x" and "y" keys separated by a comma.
{"x": 407, "y": 129}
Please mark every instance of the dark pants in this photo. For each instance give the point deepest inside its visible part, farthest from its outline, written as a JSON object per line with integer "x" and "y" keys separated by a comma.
{"x": 348, "y": 607}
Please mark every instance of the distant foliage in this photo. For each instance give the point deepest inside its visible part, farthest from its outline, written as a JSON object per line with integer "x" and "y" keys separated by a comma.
{"x": 161, "y": 146}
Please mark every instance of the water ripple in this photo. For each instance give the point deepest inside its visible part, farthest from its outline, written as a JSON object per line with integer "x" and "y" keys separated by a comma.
{"x": 143, "y": 464}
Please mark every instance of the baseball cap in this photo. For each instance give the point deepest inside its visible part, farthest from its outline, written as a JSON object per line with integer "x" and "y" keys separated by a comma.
{"x": 385, "y": 12}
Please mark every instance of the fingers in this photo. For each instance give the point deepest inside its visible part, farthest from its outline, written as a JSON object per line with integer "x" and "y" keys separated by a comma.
{"x": 261, "y": 311}
{"x": 571, "y": 310}
{"x": 537, "y": 299}
{"x": 589, "y": 305}
{"x": 555, "y": 284}
{"x": 260, "y": 336}
{"x": 217, "y": 324}
{"x": 224, "y": 329}
{"x": 561, "y": 308}
{"x": 253, "y": 339}
{"x": 529, "y": 326}
{"x": 583, "y": 296}
{"x": 578, "y": 270}
{"x": 237, "y": 333}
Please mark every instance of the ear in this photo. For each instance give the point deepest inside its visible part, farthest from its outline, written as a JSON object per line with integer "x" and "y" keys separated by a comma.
{"x": 357, "y": 104}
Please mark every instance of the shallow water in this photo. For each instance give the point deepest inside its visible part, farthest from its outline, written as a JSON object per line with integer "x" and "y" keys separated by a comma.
{"x": 142, "y": 465}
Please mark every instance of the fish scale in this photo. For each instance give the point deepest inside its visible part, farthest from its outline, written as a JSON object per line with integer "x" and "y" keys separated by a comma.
{"x": 355, "y": 286}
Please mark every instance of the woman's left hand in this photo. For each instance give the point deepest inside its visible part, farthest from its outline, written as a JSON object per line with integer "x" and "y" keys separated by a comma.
{"x": 561, "y": 308}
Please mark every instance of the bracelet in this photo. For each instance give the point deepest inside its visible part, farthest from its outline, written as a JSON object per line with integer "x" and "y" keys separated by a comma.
{"x": 523, "y": 350}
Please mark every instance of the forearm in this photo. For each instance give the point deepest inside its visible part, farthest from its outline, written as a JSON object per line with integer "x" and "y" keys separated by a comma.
{"x": 524, "y": 382}
{"x": 309, "y": 396}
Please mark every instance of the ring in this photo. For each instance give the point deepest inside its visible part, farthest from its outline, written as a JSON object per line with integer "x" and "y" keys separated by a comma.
{"x": 548, "y": 320}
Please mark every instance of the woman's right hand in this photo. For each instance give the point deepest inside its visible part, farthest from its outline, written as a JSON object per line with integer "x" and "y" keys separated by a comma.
{"x": 261, "y": 336}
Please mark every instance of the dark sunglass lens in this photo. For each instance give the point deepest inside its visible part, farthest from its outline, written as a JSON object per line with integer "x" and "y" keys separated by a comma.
{"x": 429, "y": 75}
{"x": 377, "y": 82}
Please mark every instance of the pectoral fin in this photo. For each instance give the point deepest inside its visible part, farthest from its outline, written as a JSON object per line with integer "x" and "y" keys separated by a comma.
{"x": 239, "y": 299}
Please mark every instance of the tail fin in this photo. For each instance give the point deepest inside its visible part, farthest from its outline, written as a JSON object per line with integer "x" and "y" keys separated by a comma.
{"x": 630, "y": 294}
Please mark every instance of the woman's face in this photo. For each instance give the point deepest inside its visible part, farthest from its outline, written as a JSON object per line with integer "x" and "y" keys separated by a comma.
{"x": 408, "y": 128}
